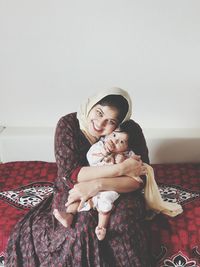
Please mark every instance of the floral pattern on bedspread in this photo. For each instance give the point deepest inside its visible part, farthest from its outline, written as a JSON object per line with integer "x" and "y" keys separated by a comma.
{"x": 2, "y": 257}
{"x": 179, "y": 260}
{"x": 30, "y": 195}
{"x": 176, "y": 241}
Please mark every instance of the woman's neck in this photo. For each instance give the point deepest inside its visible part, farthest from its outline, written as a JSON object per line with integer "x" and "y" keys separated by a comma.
{"x": 89, "y": 137}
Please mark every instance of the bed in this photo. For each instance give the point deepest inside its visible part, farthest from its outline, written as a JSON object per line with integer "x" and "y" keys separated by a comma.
{"x": 175, "y": 241}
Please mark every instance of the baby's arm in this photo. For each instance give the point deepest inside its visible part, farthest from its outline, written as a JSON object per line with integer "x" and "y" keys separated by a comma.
{"x": 110, "y": 159}
{"x": 124, "y": 155}
{"x": 119, "y": 158}
{"x": 96, "y": 153}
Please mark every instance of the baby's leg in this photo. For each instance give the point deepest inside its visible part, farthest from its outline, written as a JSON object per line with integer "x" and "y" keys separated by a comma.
{"x": 104, "y": 205}
{"x": 102, "y": 224}
{"x": 66, "y": 217}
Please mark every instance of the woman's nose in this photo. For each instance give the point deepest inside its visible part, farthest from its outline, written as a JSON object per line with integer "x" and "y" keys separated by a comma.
{"x": 100, "y": 123}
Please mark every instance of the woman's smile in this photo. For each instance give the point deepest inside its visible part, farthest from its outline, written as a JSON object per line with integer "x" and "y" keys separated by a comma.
{"x": 96, "y": 128}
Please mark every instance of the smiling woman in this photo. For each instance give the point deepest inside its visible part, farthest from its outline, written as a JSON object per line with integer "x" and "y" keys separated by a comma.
{"x": 78, "y": 245}
{"x": 102, "y": 113}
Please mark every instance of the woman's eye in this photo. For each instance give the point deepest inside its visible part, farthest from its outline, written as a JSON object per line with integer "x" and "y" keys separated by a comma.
{"x": 99, "y": 113}
{"x": 114, "y": 134}
{"x": 112, "y": 123}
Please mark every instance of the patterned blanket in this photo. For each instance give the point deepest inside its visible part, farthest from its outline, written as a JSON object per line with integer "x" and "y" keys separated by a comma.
{"x": 175, "y": 241}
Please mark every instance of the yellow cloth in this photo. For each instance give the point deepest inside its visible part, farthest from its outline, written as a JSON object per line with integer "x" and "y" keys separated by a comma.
{"x": 153, "y": 197}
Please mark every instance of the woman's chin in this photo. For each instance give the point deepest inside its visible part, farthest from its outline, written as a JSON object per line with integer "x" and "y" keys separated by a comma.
{"x": 96, "y": 135}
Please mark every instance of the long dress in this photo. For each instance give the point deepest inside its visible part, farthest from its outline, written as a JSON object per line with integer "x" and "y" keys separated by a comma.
{"x": 40, "y": 240}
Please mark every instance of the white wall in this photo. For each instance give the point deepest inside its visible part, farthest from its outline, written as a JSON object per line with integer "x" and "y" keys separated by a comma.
{"x": 54, "y": 53}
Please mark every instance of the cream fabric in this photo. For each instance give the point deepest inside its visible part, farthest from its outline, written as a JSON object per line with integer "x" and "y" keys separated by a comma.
{"x": 85, "y": 108}
{"x": 153, "y": 197}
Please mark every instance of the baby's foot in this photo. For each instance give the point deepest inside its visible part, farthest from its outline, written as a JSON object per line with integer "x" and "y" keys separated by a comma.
{"x": 100, "y": 232}
{"x": 63, "y": 217}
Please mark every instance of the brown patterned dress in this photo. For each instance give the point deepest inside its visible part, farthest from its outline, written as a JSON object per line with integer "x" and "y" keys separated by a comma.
{"x": 40, "y": 240}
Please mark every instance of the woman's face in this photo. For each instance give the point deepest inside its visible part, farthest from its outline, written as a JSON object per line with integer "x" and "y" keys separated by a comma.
{"x": 102, "y": 120}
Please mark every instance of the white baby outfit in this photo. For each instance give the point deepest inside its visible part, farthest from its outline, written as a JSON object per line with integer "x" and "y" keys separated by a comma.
{"x": 103, "y": 201}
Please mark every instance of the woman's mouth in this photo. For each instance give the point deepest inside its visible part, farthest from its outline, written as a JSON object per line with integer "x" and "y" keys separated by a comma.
{"x": 96, "y": 128}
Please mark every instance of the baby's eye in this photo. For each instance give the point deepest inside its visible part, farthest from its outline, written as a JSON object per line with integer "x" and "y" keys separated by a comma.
{"x": 114, "y": 134}
{"x": 122, "y": 142}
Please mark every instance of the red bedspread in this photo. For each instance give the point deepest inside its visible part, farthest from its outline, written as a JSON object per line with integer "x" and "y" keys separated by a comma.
{"x": 175, "y": 241}
{"x": 22, "y": 184}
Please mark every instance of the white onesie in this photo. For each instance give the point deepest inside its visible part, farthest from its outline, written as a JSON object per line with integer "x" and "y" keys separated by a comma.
{"x": 103, "y": 201}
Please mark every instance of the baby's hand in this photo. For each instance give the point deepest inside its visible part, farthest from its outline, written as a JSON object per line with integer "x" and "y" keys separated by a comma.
{"x": 119, "y": 158}
{"x": 109, "y": 159}
{"x": 109, "y": 146}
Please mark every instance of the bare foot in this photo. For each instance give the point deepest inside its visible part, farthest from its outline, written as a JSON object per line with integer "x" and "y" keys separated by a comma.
{"x": 100, "y": 232}
{"x": 63, "y": 217}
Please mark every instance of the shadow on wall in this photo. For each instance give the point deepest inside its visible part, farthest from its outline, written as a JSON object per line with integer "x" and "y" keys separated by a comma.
{"x": 174, "y": 150}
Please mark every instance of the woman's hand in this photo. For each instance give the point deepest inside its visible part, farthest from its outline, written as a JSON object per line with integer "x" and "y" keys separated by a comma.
{"x": 82, "y": 191}
{"x": 133, "y": 166}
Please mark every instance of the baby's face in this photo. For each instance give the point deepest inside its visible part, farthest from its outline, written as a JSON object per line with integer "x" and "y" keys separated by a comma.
{"x": 119, "y": 140}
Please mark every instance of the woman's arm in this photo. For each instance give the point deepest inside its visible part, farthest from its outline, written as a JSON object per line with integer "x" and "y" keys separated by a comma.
{"x": 85, "y": 190}
{"x": 130, "y": 167}
{"x": 66, "y": 152}
{"x": 120, "y": 184}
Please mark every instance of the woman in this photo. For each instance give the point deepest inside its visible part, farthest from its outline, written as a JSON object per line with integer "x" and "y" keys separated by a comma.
{"x": 40, "y": 240}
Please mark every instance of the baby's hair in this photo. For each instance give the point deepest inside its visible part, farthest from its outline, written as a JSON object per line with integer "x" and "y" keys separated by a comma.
{"x": 127, "y": 127}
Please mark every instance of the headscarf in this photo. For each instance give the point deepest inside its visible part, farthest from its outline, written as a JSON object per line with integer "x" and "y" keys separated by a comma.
{"x": 85, "y": 108}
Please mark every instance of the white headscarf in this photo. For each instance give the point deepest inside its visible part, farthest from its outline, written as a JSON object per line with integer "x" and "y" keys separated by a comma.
{"x": 85, "y": 108}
